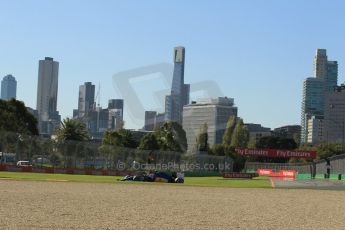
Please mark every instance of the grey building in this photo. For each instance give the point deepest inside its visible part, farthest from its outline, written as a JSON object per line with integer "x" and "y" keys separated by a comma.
{"x": 115, "y": 107}
{"x": 150, "y": 120}
{"x": 312, "y": 103}
{"x": 334, "y": 118}
{"x": 179, "y": 91}
{"x": 75, "y": 113}
{"x": 115, "y": 104}
{"x": 160, "y": 118}
{"x": 47, "y": 90}
{"x": 315, "y": 89}
{"x": 215, "y": 112}
{"x": 86, "y": 99}
{"x": 288, "y": 131}
{"x": 115, "y": 119}
{"x": 98, "y": 122}
{"x": 8, "y": 87}
{"x": 256, "y": 131}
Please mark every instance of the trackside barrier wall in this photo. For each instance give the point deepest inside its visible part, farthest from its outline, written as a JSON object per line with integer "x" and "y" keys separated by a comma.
{"x": 337, "y": 166}
{"x": 10, "y": 168}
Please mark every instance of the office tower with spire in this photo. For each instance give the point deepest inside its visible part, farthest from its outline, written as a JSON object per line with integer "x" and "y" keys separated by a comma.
{"x": 8, "y": 87}
{"x": 314, "y": 92}
{"x": 179, "y": 91}
{"x": 47, "y": 91}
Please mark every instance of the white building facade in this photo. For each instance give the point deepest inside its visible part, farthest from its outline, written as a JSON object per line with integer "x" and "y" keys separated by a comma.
{"x": 215, "y": 112}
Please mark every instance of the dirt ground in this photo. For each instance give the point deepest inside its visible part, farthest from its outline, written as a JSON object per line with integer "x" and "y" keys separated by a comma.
{"x": 68, "y": 205}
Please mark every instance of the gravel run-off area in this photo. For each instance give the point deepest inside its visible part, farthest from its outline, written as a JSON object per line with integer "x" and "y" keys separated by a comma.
{"x": 70, "y": 205}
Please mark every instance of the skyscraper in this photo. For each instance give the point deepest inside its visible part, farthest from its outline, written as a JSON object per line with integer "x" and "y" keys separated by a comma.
{"x": 8, "y": 87}
{"x": 86, "y": 99}
{"x": 315, "y": 90}
{"x": 47, "y": 89}
{"x": 179, "y": 91}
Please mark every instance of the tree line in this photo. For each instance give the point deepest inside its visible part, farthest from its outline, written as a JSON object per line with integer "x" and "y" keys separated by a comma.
{"x": 19, "y": 134}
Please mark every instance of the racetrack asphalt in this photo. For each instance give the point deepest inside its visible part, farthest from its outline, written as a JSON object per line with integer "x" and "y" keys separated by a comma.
{"x": 309, "y": 184}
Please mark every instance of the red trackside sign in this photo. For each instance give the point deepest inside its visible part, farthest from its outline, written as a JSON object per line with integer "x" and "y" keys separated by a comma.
{"x": 281, "y": 153}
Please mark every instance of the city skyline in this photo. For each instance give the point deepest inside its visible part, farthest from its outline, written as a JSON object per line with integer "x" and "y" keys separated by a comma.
{"x": 261, "y": 68}
{"x": 86, "y": 84}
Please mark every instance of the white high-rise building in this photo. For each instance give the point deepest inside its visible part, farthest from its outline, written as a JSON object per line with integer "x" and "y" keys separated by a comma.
{"x": 315, "y": 130}
{"x": 47, "y": 90}
{"x": 215, "y": 112}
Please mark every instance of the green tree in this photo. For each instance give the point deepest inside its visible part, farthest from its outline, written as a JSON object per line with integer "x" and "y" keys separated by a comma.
{"x": 128, "y": 138}
{"x": 14, "y": 117}
{"x": 325, "y": 150}
{"x": 297, "y": 138}
{"x": 72, "y": 130}
{"x": 171, "y": 137}
{"x": 69, "y": 134}
{"x": 112, "y": 137}
{"x": 240, "y": 137}
{"x": 229, "y": 130}
{"x": 149, "y": 142}
{"x": 122, "y": 138}
{"x": 252, "y": 144}
{"x": 217, "y": 150}
{"x": 239, "y": 161}
{"x": 202, "y": 139}
{"x": 55, "y": 159}
{"x": 274, "y": 142}
{"x": 121, "y": 125}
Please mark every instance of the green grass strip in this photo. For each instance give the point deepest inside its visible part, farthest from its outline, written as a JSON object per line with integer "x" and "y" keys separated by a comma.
{"x": 260, "y": 182}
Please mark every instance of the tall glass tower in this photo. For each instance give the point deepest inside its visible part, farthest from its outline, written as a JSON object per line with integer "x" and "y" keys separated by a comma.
{"x": 179, "y": 91}
{"x": 315, "y": 89}
{"x": 47, "y": 90}
{"x": 8, "y": 87}
{"x": 86, "y": 98}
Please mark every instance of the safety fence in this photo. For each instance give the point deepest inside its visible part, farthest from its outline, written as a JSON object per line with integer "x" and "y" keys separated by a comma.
{"x": 43, "y": 153}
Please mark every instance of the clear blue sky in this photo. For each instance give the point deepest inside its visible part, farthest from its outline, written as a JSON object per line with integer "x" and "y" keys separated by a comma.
{"x": 258, "y": 52}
